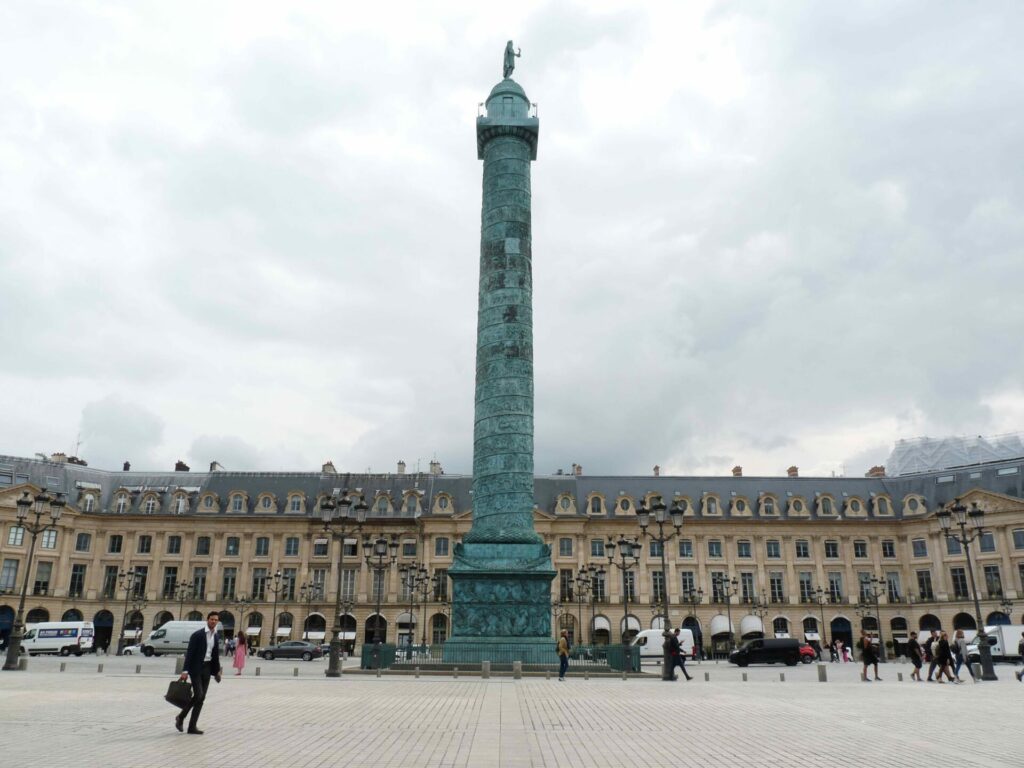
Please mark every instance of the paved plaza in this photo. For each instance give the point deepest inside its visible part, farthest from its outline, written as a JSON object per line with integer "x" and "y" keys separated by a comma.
{"x": 118, "y": 718}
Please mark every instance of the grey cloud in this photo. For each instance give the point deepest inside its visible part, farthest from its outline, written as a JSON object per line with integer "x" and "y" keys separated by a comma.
{"x": 114, "y": 430}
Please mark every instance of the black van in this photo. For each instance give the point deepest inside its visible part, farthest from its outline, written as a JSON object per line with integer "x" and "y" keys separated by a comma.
{"x": 767, "y": 651}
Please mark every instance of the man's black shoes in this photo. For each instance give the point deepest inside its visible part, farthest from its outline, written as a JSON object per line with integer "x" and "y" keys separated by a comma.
{"x": 195, "y": 731}
{"x": 179, "y": 722}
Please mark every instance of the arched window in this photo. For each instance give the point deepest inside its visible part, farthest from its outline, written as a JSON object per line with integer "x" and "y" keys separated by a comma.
{"x": 810, "y": 625}
{"x": 768, "y": 506}
{"x": 780, "y": 627}
{"x": 712, "y": 505}
{"x": 826, "y": 505}
{"x": 442, "y": 502}
{"x": 150, "y": 506}
{"x": 410, "y": 503}
{"x": 382, "y": 505}
{"x": 236, "y": 503}
{"x": 295, "y": 503}
{"x": 122, "y": 504}
{"x": 180, "y": 505}
{"x": 595, "y": 505}
{"x": 90, "y": 502}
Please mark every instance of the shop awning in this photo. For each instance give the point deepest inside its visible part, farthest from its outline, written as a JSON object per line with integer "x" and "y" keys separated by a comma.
{"x": 751, "y": 624}
{"x": 782, "y": 634}
{"x": 315, "y": 635}
{"x": 631, "y": 622}
{"x": 719, "y": 625}
{"x": 253, "y": 630}
{"x": 600, "y": 622}
{"x": 284, "y": 631}
{"x": 812, "y": 636}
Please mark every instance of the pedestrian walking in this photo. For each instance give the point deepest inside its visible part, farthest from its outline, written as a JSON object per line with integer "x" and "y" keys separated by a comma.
{"x": 931, "y": 646}
{"x": 867, "y": 656}
{"x": 240, "y": 653}
{"x": 833, "y": 650}
{"x": 916, "y": 656}
{"x": 1020, "y": 652}
{"x": 202, "y": 661}
{"x": 959, "y": 648}
{"x": 944, "y": 659}
{"x": 676, "y": 652}
{"x": 563, "y": 655}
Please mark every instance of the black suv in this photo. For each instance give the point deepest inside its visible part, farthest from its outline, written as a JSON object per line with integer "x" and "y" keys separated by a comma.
{"x": 767, "y": 651}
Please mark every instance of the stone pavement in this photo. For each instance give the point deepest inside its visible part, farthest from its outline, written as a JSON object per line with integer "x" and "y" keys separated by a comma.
{"x": 118, "y": 718}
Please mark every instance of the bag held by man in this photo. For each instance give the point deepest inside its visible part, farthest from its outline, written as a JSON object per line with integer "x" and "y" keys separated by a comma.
{"x": 179, "y": 693}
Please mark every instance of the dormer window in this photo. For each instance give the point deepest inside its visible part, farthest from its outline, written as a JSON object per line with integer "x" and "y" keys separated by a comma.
{"x": 150, "y": 506}
{"x": 236, "y": 503}
{"x": 410, "y": 503}
{"x": 265, "y": 503}
{"x": 382, "y": 505}
{"x": 882, "y": 506}
{"x": 442, "y": 502}
{"x": 595, "y": 505}
{"x": 826, "y": 505}
{"x": 295, "y": 503}
{"x": 180, "y": 505}
{"x": 122, "y": 504}
{"x": 90, "y": 502}
{"x": 712, "y": 505}
{"x": 768, "y": 506}
{"x": 208, "y": 502}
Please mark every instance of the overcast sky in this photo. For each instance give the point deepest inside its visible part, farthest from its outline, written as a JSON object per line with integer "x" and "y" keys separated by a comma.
{"x": 763, "y": 233}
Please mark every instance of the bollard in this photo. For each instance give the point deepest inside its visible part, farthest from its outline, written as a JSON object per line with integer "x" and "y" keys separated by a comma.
{"x": 586, "y": 674}
{"x": 976, "y": 667}
{"x": 517, "y": 670}
{"x": 416, "y": 669}
{"x": 295, "y": 672}
{"x": 899, "y": 677}
{"x": 179, "y": 664}
{"x": 744, "y": 677}
{"x": 456, "y": 671}
{"x": 257, "y": 671}
{"x": 547, "y": 674}
{"x": 63, "y": 666}
{"x": 378, "y": 672}
{"x": 782, "y": 677}
{"x": 138, "y": 669}
{"x": 485, "y": 670}
{"x": 623, "y": 674}
{"x": 99, "y": 668}
{"x": 23, "y": 664}
{"x": 822, "y": 673}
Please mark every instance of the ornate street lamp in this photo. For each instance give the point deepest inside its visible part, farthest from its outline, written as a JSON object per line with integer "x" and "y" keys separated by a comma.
{"x": 277, "y": 584}
{"x": 380, "y": 554}
{"x": 874, "y": 588}
{"x": 183, "y": 589}
{"x": 411, "y": 576}
{"x": 584, "y": 583}
{"x": 759, "y": 607}
{"x": 693, "y": 598}
{"x": 643, "y": 515}
{"x": 629, "y": 558}
{"x": 820, "y": 596}
{"x": 726, "y": 588}
{"x": 339, "y": 525}
{"x": 43, "y": 503}
{"x": 974, "y": 518}
{"x": 1006, "y": 606}
{"x": 130, "y": 583}
{"x": 309, "y": 593}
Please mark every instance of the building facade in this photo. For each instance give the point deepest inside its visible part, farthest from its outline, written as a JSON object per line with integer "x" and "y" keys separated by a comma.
{"x": 802, "y": 551}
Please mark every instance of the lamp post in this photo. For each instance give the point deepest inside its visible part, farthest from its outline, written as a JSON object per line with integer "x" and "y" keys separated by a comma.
{"x": 428, "y": 586}
{"x": 820, "y": 596}
{"x": 1006, "y": 605}
{"x": 44, "y": 503}
{"x": 277, "y": 584}
{"x": 596, "y": 573}
{"x": 584, "y": 583}
{"x": 183, "y": 589}
{"x": 242, "y": 604}
{"x": 138, "y": 605}
{"x": 643, "y": 515}
{"x": 959, "y": 515}
{"x": 759, "y": 607}
{"x": 726, "y": 588}
{"x": 130, "y": 581}
{"x": 410, "y": 576}
{"x": 874, "y": 588}
{"x": 309, "y": 593}
{"x": 693, "y": 598}
{"x": 339, "y": 525}
{"x": 629, "y": 558}
{"x": 380, "y": 554}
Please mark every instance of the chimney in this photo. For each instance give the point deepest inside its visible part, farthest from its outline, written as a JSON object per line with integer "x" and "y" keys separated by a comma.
{"x": 793, "y": 472}
{"x": 328, "y": 468}
{"x": 577, "y": 469}
{"x": 215, "y": 466}
{"x": 127, "y": 467}
{"x": 180, "y": 466}
{"x": 435, "y": 467}
{"x": 876, "y": 471}
{"x": 59, "y": 458}
{"x": 737, "y": 471}
{"x": 401, "y": 467}
{"x": 657, "y": 471}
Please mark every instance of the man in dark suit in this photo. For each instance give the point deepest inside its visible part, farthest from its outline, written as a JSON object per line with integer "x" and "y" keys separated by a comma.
{"x": 202, "y": 661}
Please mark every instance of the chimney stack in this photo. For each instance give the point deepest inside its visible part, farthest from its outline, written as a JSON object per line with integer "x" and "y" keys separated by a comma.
{"x": 793, "y": 471}
{"x": 577, "y": 469}
{"x": 657, "y": 471}
{"x": 737, "y": 471}
{"x": 435, "y": 467}
{"x": 876, "y": 471}
{"x": 127, "y": 467}
{"x": 401, "y": 467}
{"x": 180, "y": 466}
{"x": 215, "y": 466}
{"x": 328, "y": 468}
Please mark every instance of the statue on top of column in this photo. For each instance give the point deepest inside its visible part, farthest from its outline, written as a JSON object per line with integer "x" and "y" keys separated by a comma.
{"x": 510, "y": 59}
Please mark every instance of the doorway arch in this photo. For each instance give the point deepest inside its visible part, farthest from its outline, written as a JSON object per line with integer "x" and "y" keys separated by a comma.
{"x": 964, "y": 621}
{"x": 601, "y": 631}
{"x": 928, "y": 622}
{"x": 162, "y": 618}
{"x": 841, "y": 629}
{"x": 37, "y": 615}
{"x": 103, "y": 626}
{"x": 72, "y": 614}
{"x": 692, "y": 623}
{"x": 375, "y": 623}
{"x": 997, "y": 618}
{"x": 438, "y": 628}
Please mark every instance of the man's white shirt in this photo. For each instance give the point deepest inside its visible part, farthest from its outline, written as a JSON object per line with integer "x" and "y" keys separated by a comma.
{"x": 211, "y": 640}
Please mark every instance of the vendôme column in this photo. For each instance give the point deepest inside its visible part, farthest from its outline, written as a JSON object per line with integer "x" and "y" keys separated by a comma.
{"x": 502, "y": 571}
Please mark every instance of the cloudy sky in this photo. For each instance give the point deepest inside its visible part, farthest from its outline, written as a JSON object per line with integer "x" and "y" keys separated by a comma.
{"x": 764, "y": 233}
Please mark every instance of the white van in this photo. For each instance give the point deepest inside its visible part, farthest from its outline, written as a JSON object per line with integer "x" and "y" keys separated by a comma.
{"x": 63, "y": 637}
{"x": 172, "y": 637}
{"x": 652, "y": 641}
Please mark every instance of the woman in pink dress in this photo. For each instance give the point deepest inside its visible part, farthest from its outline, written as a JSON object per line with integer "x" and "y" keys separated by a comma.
{"x": 241, "y": 648}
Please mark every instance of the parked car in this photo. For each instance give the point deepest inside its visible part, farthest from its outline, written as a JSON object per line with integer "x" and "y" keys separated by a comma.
{"x": 768, "y": 650}
{"x": 133, "y": 650}
{"x": 807, "y": 653}
{"x": 292, "y": 649}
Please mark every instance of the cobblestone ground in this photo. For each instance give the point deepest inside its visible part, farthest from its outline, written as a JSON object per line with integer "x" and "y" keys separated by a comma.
{"x": 118, "y": 718}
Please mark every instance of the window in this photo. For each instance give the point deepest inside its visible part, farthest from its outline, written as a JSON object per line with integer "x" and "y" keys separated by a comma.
{"x": 440, "y": 546}
{"x": 180, "y": 505}
{"x": 958, "y": 576}
{"x": 145, "y": 545}
{"x": 203, "y": 545}
{"x": 382, "y": 505}
{"x": 565, "y": 584}
{"x": 864, "y": 581}
{"x": 228, "y": 583}
{"x": 9, "y": 575}
{"x": 835, "y": 587}
{"x": 1006, "y": 471}
{"x": 411, "y": 502}
{"x": 743, "y": 549}
{"x": 717, "y": 579}
{"x": 90, "y": 503}
{"x": 208, "y": 502}
{"x": 150, "y": 506}
{"x": 295, "y": 503}
{"x": 987, "y": 542}
{"x": 685, "y": 548}
{"x": 598, "y": 589}
{"x": 832, "y": 549}
{"x": 776, "y": 590}
{"x": 658, "y": 586}
{"x": 826, "y": 505}
{"x": 199, "y": 582}
{"x": 290, "y": 575}
{"x": 747, "y": 587}
{"x": 170, "y": 584}
{"x": 740, "y": 505}
{"x": 1018, "y": 538}
{"x": 77, "y": 584}
{"x": 441, "y": 589}
{"x": 882, "y": 506}
{"x": 409, "y": 548}
{"x": 115, "y": 543}
{"x": 262, "y": 546}
{"x": 565, "y": 547}
{"x": 48, "y": 539}
{"x": 259, "y": 584}
{"x": 174, "y": 545}
{"x": 888, "y": 548}
{"x": 806, "y": 586}
{"x": 860, "y": 549}
{"x": 83, "y": 542}
{"x": 893, "y": 591}
{"x": 714, "y": 548}
{"x": 953, "y": 546}
{"x": 231, "y": 545}
{"x": 993, "y": 581}
{"x": 686, "y": 582}
{"x": 442, "y": 502}
{"x": 597, "y": 547}
{"x": 657, "y": 548}
{"x": 141, "y": 576}
{"x": 854, "y": 505}
{"x": 595, "y": 505}
{"x": 42, "y": 583}
{"x": 236, "y": 503}
{"x": 772, "y": 549}
{"x": 109, "y": 580}
{"x": 924, "y": 585}
{"x": 768, "y": 505}
{"x": 122, "y": 504}
{"x": 919, "y": 547}
{"x": 291, "y": 546}
{"x": 803, "y": 548}
{"x": 16, "y": 535}
{"x": 943, "y": 479}
{"x": 378, "y": 584}
{"x": 265, "y": 502}
{"x": 321, "y": 548}
{"x": 629, "y": 585}
{"x": 712, "y": 505}
{"x": 350, "y": 548}
{"x": 624, "y": 505}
